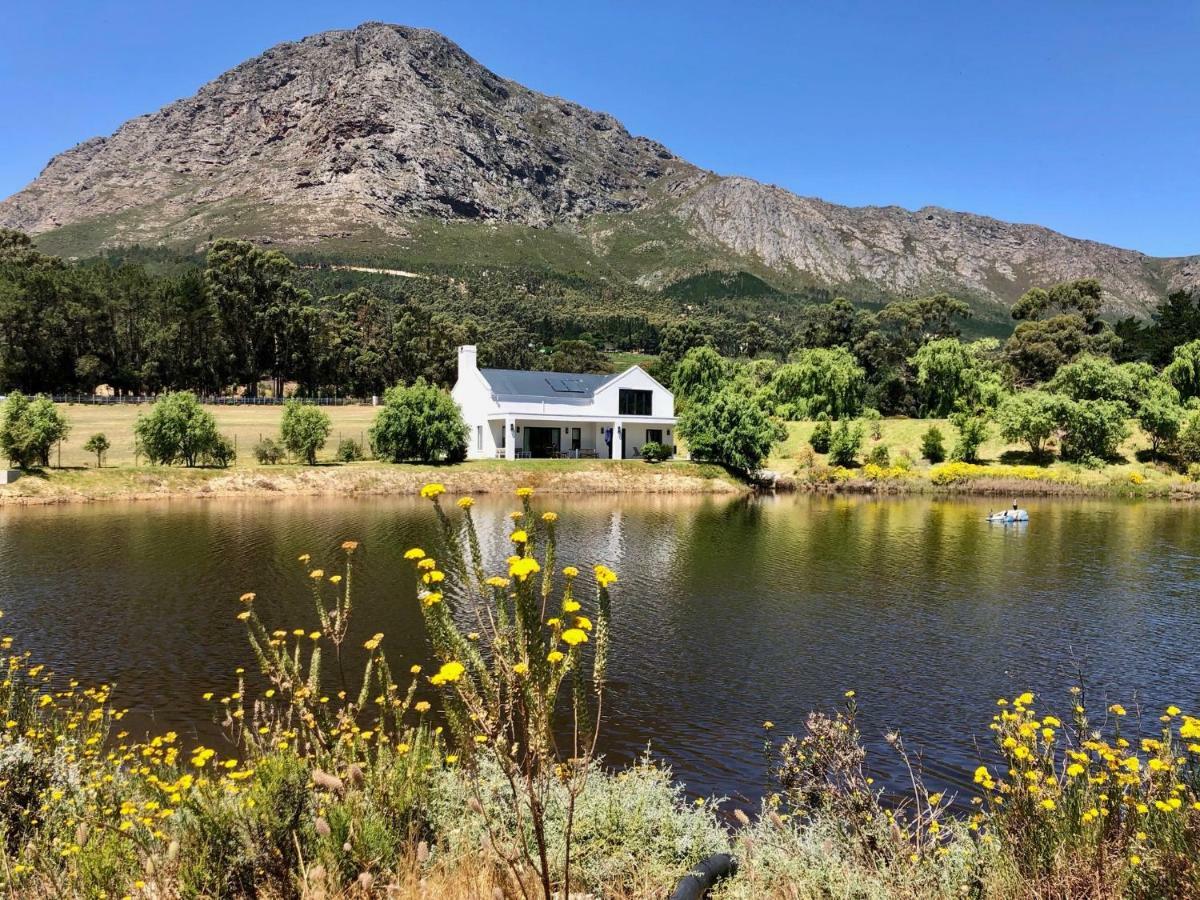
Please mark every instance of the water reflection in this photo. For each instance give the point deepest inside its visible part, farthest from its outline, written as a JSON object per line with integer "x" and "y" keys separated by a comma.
{"x": 729, "y": 612}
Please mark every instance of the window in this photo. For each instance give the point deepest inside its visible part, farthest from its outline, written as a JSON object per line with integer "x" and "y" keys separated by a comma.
{"x": 634, "y": 403}
{"x": 478, "y": 437}
{"x": 654, "y": 435}
{"x": 576, "y": 438}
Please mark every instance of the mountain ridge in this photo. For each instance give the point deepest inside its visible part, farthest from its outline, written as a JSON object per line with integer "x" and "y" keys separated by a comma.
{"x": 370, "y": 137}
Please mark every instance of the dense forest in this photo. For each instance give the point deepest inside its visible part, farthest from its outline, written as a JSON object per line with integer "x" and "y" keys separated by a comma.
{"x": 243, "y": 316}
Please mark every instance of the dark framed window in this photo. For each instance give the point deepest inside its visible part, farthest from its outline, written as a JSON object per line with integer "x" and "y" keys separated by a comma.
{"x": 654, "y": 435}
{"x": 576, "y": 438}
{"x": 635, "y": 403}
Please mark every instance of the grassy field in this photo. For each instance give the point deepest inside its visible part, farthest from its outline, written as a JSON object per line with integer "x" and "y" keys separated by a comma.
{"x": 245, "y": 425}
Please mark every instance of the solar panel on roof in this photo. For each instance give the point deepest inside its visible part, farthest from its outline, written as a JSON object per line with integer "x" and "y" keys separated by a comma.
{"x": 567, "y": 385}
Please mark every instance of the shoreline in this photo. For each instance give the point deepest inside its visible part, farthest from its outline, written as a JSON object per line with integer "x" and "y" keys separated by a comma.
{"x": 65, "y": 486}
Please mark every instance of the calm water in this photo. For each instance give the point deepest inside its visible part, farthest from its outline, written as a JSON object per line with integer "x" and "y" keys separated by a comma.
{"x": 728, "y": 614}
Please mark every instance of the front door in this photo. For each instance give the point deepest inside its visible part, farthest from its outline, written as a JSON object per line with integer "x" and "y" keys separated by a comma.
{"x": 541, "y": 443}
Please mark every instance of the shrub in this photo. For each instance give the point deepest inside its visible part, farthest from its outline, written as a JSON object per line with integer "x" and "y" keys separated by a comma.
{"x": 304, "y": 430}
{"x": 845, "y": 442}
{"x": 933, "y": 447}
{"x": 29, "y": 428}
{"x": 98, "y": 444}
{"x": 819, "y": 439}
{"x": 1029, "y": 417}
{"x": 220, "y": 453}
{"x": 421, "y": 423}
{"x": 653, "y": 451}
{"x": 269, "y": 452}
{"x": 972, "y": 432}
{"x": 349, "y": 450}
{"x": 1193, "y": 471}
{"x": 731, "y": 430}
{"x": 1160, "y": 413}
{"x": 879, "y": 456}
{"x": 1092, "y": 429}
{"x": 178, "y": 430}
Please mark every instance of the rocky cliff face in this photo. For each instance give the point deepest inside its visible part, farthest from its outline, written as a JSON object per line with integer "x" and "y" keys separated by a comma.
{"x": 359, "y": 134}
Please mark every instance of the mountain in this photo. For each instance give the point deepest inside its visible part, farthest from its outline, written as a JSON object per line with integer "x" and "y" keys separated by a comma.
{"x": 392, "y": 143}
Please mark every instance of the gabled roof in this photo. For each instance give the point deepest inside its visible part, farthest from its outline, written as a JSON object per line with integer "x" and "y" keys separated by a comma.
{"x": 544, "y": 385}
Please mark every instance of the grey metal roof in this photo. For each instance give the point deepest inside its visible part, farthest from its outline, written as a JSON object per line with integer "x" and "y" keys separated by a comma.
{"x": 548, "y": 385}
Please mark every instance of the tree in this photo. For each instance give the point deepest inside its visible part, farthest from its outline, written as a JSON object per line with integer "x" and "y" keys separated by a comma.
{"x": 818, "y": 381}
{"x": 1160, "y": 413}
{"x": 178, "y": 430}
{"x": 98, "y": 444}
{"x": 1083, "y": 296}
{"x": 821, "y": 434}
{"x": 700, "y": 375}
{"x": 731, "y": 430}
{"x": 1092, "y": 430}
{"x": 421, "y": 423}
{"x": 1029, "y": 417}
{"x": 972, "y": 432}
{"x": 1184, "y": 369}
{"x": 29, "y": 428}
{"x": 304, "y": 430}
{"x": 1098, "y": 378}
{"x": 845, "y": 443}
{"x": 932, "y": 446}
{"x": 578, "y": 356}
{"x": 946, "y": 374}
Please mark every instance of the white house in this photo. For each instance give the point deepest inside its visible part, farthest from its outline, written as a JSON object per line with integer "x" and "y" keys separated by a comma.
{"x": 514, "y": 414}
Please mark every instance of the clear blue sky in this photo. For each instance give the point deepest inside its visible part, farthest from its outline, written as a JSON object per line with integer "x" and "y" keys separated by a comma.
{"x": 1081, "y": 115}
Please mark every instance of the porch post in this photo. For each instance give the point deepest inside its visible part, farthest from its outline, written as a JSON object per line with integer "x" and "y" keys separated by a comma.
{"x": 510, "y": 438}
{"x": 618, "y": 445}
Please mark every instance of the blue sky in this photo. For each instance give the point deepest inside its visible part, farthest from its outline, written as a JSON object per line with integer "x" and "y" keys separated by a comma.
{"x": 1081, "y": 116}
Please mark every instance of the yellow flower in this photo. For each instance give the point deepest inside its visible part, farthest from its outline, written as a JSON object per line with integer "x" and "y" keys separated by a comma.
{"x": 373, "y": 643}
{"x": 243, "y": 615}
{"x": 314, "y": 635}
{"x": 1048, "y": 804}
{"x": 481, "y": 739}
{"x": 449, "y": 672}
{"x": 519, "y": 537}
{"x": 1075, "y": 770}
{"x": 421, "y": 706}
{"x": 574, "y": 636}
{"x": 522, "y": 568}
{"x": 349, "y": 546}
{"x": 415, "y": 670}
{"x": 451, "y": 759}
{"x": 570, "y": 571}
{"x": 429, "y": 598}
{"x": 497, "y": 582}
{"x": 433, "y": 577}
{"x": 248, "y": 597}
{"x": 428, "y": 563}
{"x": 1135, "y": 860}
{"x": 554, "y": 656}
{"x": 433, "y": 491}
{"x": 524, "y": 492}
{"x": 466, "y": 502}
{"x": 335, "y": 579}
{"x": 1025, "y": 699}
{"x": 304, "y": 557}
{"x": 1172, "y": 710}
{"x": 550, "y": 517}
{"x": 768, "y": 725}
{"x": 414, "y": 553}
{"x": 316, "y": 574}
{"x": 570, "y": 606}
{"x": 605, "y": 576}
{"x": 1117, "y": 709}
{"x": 583, "y": 622}
{"x": 520, "y": 668}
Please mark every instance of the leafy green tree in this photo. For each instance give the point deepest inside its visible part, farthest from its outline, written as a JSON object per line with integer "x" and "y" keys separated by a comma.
{"x": 933, "y": 447}
{"x": 349, "y": 450}
{"x": 1029, "y": 417}
{"x": 1160, "y": 413}
{"x": 578, "y": 356}
{"x": 29, "y": 428}
{"x": 98, "y": 444}
{"x": 972, "y": 432}
{"x": 845, "y": 442}
{"x": 730, "y": 429}
{"x": 1184, "y": 369}
{"x": 821, "y": 433}
{"x": 1083, "y": 296}
{"x": 178, "y": 430}
{"x": 818, "y": 381}
{"x": 1097, "y": 378}
{"x": 1092, "y": 430}
{"x": 304, "y": 430}
{"x": 421, "y": 423}
{"x": 700, "y": 375}
{"x": 946, "y": 375}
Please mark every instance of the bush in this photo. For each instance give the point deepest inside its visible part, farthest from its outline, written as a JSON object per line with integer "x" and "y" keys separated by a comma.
{"x": 653, "y": 451}
{"x": 933, "y": 447}
{"x": 269, "y": 452}
{"x": 1029, "y": 417}
{"x": 220, "y": 453}
{"x": 349, "y": 450}
{"x": 845, "y": 442}
{"x": 879, "y": 456}
{"x": 822, "y": 431}
{"x": 304, "y": 430}
{"x": 29, "y": 428}
{"x": 98, "y": 444}
{"x": 178, "y": 430}
{"x": 1092, "y": 429}
{"x": 420, "y": 423}
{"x": 1160, "y": 413}
{"x": 731, "y": 430}
{"x": 972, "y": 432}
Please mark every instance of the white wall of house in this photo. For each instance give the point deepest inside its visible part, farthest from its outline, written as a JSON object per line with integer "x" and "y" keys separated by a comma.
{"x": 498, "y": 424}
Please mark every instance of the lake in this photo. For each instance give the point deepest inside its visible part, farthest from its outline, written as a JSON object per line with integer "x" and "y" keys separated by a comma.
{"x": 727, "y": 613}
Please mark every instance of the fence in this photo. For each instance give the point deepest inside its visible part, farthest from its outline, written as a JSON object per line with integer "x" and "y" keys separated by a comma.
{"x": 211, "y": 400}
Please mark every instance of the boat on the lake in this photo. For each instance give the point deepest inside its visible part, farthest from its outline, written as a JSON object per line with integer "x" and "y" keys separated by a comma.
{"x": 1009, "y": 516}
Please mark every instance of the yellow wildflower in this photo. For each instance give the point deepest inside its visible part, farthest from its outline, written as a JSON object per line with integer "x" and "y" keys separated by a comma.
{"x": 248, "y": 597}
{"x": 550, "y": 517}
{"x": 373, "y": 643}
{"x": 466, "y": 502}
{"x": 522, "y": 568}
{"x": 554, "y": 656}
{"x": 570, "y": 571}
{"x": 605, "y": 576}
{"x": 570, "y": 606}
{"x": 414, "y": 553}
{"x": 524, "y": 492}
{"x": 519, "y": 537}
{"x": 433, "y": 491}
{"x": 574, "y": 636}
{"x": 449, "y": 672}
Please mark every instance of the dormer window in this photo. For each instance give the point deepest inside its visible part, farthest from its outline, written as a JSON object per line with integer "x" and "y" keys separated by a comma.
{"x": 635, "y": 403}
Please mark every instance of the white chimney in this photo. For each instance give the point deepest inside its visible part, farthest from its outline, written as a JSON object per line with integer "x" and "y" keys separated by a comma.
{"x": 466, "y": 361}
